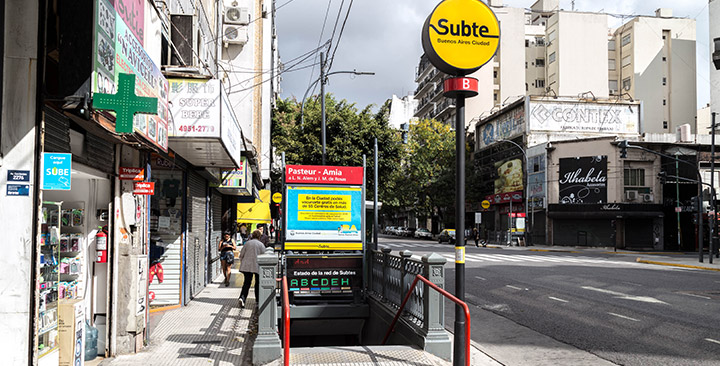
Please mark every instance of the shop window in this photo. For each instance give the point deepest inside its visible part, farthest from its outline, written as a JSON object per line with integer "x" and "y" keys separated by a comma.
{"x": 634, "y": 177}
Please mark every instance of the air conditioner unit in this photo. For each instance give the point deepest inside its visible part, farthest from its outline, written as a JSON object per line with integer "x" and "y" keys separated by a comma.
{"x": 237, "y": 15}
{"x": 235, "y": 34}
{"x": 648, "y": 197}
{"x": 631, "y": 195}
{"x": 613, "y": 92}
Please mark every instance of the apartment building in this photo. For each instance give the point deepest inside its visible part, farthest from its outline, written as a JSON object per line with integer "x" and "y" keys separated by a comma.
{"x": 577, "y": 54}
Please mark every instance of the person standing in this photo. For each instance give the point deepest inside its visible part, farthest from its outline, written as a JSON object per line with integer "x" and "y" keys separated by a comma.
{"x": 263, "y": 236}
{"x": 476, "y": 236}
{"x": 249, "y": 264}
{"x": 227, "y": 248}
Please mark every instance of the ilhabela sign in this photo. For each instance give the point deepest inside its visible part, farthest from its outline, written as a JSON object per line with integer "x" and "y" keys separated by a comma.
{"x": 460, "y": 36}
{"x": 583, "y": 179}
{"x": 315, "y": 174}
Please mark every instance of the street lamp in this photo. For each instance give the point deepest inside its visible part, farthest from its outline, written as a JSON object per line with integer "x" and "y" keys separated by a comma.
{"x": 322, "y": 80}
{"x": 526, "y": 192}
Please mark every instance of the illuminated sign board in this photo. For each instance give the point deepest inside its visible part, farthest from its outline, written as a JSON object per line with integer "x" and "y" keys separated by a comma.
{"x": 460, "y": 36}
{"x": 315, "y": 174}
{"x": 324, "y": 274}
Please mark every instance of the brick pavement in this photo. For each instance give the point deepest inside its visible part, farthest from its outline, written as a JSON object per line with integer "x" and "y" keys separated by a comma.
{"x": 210, "y": 330}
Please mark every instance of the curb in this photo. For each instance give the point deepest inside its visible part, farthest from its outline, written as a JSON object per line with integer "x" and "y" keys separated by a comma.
{"x": 640, "y": 260}
{"x": 554, "y": 250}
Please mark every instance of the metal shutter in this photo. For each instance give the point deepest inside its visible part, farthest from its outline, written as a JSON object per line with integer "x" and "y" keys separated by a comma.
{"x": 57, "y": 131}
{"x": 197, "y": 235}
{"x": 215, "y": 235}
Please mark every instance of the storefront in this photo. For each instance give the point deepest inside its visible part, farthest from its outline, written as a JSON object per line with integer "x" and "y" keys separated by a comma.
{"x": 74, "y": 276}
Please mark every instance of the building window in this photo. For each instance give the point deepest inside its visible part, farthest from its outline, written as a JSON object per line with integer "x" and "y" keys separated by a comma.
{"x": 626, "y": 61}
{"x": 611, "y": 64}
{"x": 540, "y": 41}
{"x": 665, "y": 124}
{"x": 663, "y": 36}
{"x": 540, "y": 62}
{"x": 526, "y": 64}
{"x": 551, "y": 58}
{"x": 540, "y": 83}
{"x": 611, "y": 45}
{"x": 664, "y": 101}
{"x": 613, "y": 86}
{"x": 526, "y": 86}
{"x": 495, "y": 97}
{"x": 664, "y": 58}
{"x": 527, "y": 43}
{"x": 494, "y": 74}
{"x": 626, "y": 84}
{"x": 634, "y": 177}
{"x": 551, "y": 37}
{"x": 625, "y": 40}
{"x": 664, "y": 81}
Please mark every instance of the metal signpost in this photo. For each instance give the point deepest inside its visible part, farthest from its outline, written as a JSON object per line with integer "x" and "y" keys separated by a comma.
{"x": 459, "y": 37}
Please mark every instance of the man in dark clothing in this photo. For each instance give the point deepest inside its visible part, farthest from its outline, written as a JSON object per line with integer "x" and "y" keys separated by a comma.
{"x": 263, "y": 237}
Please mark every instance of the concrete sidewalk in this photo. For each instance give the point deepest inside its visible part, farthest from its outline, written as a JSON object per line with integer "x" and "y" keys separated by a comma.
{"x": 211, "y": 329}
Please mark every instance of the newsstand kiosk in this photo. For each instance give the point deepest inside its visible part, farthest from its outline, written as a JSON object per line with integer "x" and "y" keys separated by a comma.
{"x": 323, "y": 251}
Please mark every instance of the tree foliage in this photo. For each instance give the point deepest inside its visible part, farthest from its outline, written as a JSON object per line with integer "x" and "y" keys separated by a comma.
{"x": 350, "y": 133}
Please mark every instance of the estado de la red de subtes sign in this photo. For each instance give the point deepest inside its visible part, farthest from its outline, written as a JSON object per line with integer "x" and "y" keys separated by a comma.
{"x": 317, "y": 174}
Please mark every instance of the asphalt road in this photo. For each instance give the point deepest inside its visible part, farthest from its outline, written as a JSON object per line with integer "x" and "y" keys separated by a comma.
{"x": 625, "y": 312}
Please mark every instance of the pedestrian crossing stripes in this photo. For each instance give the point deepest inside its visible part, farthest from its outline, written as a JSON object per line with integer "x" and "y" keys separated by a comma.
{"x": 521, "y": 258}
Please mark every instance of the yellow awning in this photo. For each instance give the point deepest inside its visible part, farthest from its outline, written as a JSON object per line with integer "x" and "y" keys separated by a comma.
{"x": 255, "y": 213}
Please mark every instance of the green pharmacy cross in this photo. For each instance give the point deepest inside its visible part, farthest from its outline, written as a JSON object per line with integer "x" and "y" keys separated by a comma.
{"x": 125, "y": 103}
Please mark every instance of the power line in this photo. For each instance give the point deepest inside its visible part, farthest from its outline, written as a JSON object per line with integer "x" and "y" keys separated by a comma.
{"x": 337, "y": 44}
{"x": 322, "y": 31}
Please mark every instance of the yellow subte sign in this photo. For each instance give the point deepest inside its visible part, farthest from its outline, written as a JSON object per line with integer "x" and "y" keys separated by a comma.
{"x": 460, "y": 36}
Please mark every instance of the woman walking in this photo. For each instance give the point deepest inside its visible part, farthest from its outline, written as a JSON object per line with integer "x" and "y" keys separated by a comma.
{"x": 249, "y": 265}
{"x": 227, "y": 248}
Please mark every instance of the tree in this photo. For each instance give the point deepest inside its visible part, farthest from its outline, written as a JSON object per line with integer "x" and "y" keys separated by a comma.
{"x": 429, "y": 170}
{"x": 350, "y": 134}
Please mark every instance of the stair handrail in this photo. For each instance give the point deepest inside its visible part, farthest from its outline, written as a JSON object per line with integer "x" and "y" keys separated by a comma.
{"x": 447, "y": 295}
{"x": 286, "y": 322}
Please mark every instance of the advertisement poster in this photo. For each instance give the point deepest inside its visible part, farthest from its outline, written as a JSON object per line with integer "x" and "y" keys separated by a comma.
{"x": 509, "y": 176}
{"x": 57, "y": 171}
{"x": 585, "y": 117}
{"x": 583, "y": 179}
{"x": 324, "y": 214}
{"x": 118, "y": 50}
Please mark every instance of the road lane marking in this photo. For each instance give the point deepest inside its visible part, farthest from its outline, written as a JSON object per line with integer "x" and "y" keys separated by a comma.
{"x": 620, "y": 295}
{"x": 700, "y": 296}
{"x": 712, "y": 340}
{"x": 480, "y": 278}
{"x": 557, "y": 299}
{"x": 624, "y": 317}
{"x": 513, "y": 287}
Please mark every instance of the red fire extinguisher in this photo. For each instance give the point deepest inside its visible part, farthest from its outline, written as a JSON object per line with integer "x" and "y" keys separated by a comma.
{"x": 101, "y": 245}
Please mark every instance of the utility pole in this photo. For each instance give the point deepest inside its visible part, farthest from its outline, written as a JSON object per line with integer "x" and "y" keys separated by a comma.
{"x": 677, "y": 198}
{"x": 322, "y": 103}
{"x": 712, "y": 189}
{"x": 375, "y": 201}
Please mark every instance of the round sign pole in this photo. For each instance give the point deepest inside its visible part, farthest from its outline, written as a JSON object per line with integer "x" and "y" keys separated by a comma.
{"x": 459, "y": 37}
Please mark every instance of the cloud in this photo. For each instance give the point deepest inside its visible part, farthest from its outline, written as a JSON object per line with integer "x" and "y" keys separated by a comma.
{"x": 384, "y": 37}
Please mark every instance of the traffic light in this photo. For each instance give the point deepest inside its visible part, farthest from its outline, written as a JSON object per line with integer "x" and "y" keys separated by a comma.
{"x": 623, "y": 149}
{"x": 662, "y": 176}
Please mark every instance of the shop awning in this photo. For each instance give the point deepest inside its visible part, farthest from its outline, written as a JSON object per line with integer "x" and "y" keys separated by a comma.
{"x": 257, "y": 212}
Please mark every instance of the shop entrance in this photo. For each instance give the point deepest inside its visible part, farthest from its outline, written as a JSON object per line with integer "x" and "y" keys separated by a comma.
{"x": 73, "y": 283}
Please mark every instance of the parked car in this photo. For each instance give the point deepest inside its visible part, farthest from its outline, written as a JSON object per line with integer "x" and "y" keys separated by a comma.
{"x": 423, "y": 234}
{"x": 387, "y": 230}
{"x": 447, "y": 235}
{"x": 410, "y": 232}
{"x": 401, "y": 231}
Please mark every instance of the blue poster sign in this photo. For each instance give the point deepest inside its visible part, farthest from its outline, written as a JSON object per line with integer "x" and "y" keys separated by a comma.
{"x": 18, "y": 190}
{"x": 56, "y": 173}
{"x": 324, "y": 214}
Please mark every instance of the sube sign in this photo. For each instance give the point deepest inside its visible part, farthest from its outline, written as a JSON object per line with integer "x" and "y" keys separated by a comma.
{"x": 57, "y": 170}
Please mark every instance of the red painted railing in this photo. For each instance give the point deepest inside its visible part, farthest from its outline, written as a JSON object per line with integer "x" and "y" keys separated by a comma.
{"x": 444, "y": 293}
{"x": 286, "y": 321}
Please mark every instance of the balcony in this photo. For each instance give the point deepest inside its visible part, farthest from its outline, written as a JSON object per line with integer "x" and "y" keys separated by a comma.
{"x": 443, "y": 108}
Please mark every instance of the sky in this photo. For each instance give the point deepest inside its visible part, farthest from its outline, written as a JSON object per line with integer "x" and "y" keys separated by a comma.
{"x": 383, "y": 36}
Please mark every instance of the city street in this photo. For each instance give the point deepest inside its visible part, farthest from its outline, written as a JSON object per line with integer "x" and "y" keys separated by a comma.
{"x": 607, "y": 304}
